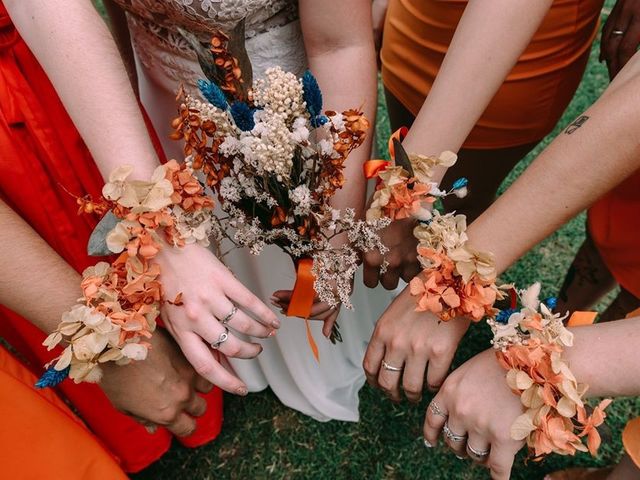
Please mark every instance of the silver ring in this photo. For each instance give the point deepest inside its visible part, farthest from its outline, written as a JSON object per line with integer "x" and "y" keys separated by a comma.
{"x": 454, "y": 437}
{"x": 617, "y": 32}
{"x": 230, "y": 315}
{"x": 435, "y": 409}
{"x": 480, "y": 454}
{"x": 391, "y": 368}
{"x": 221, "y": 339}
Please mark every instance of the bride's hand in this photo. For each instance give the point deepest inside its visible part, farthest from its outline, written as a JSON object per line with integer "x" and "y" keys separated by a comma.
{"x": 402, "y": 257}
{"x": 476, "y": 403}
{"x": 160, "y": 390}
{"x": 406, "y": 341}
{"x": 210, "y": 294}
{"x": 319, "y": 311}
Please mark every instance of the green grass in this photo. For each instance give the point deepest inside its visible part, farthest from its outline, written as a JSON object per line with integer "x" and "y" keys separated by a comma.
{"x": 263, "y": 439}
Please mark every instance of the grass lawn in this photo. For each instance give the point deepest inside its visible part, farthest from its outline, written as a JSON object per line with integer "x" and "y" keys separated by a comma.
{"x": 263, "y": 439}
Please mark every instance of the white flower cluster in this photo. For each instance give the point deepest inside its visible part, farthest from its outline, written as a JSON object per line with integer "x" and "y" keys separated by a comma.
{"x": 268, "y": 147}
{"x": 301, "y": 197}
{"x": 280, "y": 93}
{"x": 225, "y": 127}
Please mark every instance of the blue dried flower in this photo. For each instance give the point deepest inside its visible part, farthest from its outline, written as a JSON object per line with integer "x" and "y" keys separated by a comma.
{"x": 460, "y": 183}
{"x": 52, "y": 377}
{"x": 319, "y": 120}
{"x": 551, "y": 303}
{"x": 213, "y": 94}
{"x": 503, "y": 316}
{"x": 312, "y": 94}
{"x": 243, "y": 116}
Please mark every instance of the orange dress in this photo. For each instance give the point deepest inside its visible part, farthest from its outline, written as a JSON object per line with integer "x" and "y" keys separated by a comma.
{"x": 41, "y": 437}
{"x": 41, "y": 156}
{"x": 614, "y": 225}
{"x": 417, "y": 34}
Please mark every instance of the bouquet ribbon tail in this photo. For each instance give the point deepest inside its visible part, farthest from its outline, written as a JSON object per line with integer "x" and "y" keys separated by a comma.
{"x": 302, "y": 299}
{"x": 373, "y": 167}
{"x": 581, "y": 318}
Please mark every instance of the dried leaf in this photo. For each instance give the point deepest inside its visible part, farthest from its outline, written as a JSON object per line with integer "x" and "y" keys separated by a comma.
{"x": 401, "y": 157}
{"x": 97, "y": 246}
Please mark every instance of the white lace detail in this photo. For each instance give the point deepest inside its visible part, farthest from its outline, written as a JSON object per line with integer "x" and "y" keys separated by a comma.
{"x": 271, "y": 29}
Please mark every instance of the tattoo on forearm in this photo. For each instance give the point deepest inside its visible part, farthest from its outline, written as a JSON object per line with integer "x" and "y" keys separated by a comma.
{"x": 577, "y": 123}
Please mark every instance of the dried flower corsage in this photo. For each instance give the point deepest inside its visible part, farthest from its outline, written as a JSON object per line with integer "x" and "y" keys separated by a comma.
{"x": 529, "y": 343}
{"x": 274, "y": 159}
{"x": 121, "y": 300}
{"x": 456, "y": 280}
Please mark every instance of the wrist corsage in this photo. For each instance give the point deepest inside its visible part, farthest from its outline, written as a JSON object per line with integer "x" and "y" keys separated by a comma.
{"x": 529, "y": 343}
{"x": 121, "y": 300}
{"x": 456, "y": 280}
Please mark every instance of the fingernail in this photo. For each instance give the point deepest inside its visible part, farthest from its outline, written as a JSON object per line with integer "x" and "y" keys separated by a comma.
{"x": 459, "y": 457}
{"x": 276, "y": 323}
{"x": 242, "y": 391}
{"x": 274, "y": 298}
{"x": 272, "y": 333}
{"x": 427, "y": 443}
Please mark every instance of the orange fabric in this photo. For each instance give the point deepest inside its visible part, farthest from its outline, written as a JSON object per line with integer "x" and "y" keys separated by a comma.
{"x": 40, "y": 437}
{"x": 41, "y": 155}
{"x": 631, "y": 440}
{"x": 417, "y": 34}
{"x": 579, "y": 319}
{"x": 614, "y": 225}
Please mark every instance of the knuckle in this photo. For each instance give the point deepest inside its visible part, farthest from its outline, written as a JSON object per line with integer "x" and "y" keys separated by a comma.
{"x": 233, "y": 350}
{"x": 369, "y": 367}
{"x": 181, "y": 392}
{"x": 418, "y": 347}
{"x": 167, "y": 415}
{"x": 439, "y": 350}
{"x": 191, "y": 313}
{"x": 204, "y": 369}
{"x": 385, "y": 384}
{"x": 412, "y": 387}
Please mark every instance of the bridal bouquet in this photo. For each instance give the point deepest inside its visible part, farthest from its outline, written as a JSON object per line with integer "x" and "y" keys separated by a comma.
{"x": 274, "y": 160}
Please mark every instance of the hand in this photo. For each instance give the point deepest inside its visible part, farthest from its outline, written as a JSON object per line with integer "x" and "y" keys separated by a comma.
{"x": 319, "y": 311}
{"x": 475, "y": 401}
{"x": 160, "y": 390}
{"x": 618, "y": 48}
{"x": 209, "y": 294}
{"x": 402, "y": 256}
{"x": 407, "y": 339}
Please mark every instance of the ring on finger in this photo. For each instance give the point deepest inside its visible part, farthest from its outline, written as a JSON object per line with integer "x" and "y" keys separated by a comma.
{"x": 230, "y": 315}
{"x": 224, "y": 336}
{"x": 436, "y": 410}
{"x": 477, "y": 454}
{"x": 453, "y": 437}
{"x": 617, "y": 32}
{"x": 391, "y": 368}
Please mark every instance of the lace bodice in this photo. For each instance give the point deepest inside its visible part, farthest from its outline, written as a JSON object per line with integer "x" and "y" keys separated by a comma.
{"x": 272, "y": 34}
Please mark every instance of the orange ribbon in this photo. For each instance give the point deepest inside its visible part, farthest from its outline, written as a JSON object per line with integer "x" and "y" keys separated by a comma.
{"x": 373, "y": 167}
{"x": 302, "y": 298}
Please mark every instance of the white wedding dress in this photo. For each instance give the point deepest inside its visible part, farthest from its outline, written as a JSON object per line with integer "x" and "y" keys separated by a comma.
{"x": 324, "y": 390}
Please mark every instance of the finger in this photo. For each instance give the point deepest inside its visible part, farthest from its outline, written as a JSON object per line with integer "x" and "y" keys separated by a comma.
{"x": 390, "y": 279}
{"x": 410, "y": 270}
{"x": 372, "y": 359}
{"x": 203, "y": 385}
{"x": 329, "y": 322}
{"x": 390, "y": 376}
{"x": 437, "y": 414}
{"x": 182, "y": 426}
{"x": 457, "y": 442}
{"x": 371, "y": 270}
{"x": 214, "y": 333}
{"x": 438, "y": 368}
{"x": 248, "y": 302}
{"x": 478, "y": 448}
{"x": 500, "y": 461}
{"x": 629, "y": 43}
{"x": 205, "y": 365}
{"x": 197, "y": 406}
{"x": 413, "y": 377}
{"x": 613, "y": 43}
{"x": 239, "y": 320}
{"x": 612, "y": 19}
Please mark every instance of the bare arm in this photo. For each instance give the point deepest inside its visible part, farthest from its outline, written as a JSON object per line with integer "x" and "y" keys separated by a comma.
{"x": 339, "y": 43}
{"x": 27, "y": 268}
{"x": 77, "y": 51}
{"x": 489, "y": 39}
